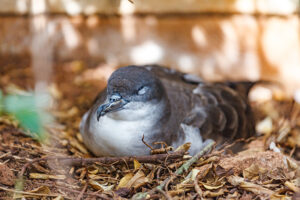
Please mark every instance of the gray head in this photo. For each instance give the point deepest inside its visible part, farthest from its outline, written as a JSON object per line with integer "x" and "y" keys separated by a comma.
{"x": 128, "y": 88}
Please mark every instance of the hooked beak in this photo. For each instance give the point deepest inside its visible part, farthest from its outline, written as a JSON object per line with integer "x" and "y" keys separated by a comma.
{"x": 116, "y": 103}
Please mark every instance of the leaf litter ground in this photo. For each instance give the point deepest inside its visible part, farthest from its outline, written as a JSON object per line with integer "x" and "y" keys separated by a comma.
{"x": 268, "y": 167}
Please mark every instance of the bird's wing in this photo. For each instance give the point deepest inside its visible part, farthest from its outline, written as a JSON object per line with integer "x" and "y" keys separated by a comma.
{"x": 220, "y": 113}
{"x": 219, "y": 110}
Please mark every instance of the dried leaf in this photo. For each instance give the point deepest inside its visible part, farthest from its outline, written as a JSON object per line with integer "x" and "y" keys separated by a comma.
{"x": 58, "y": 198}
{"x": 213, "y": 194}
{"x": 189, "y": 178}
{"x": 251, "y": 187}
{"x": 292, "y": 164}
{"x": 283, "y": 131}
{"x": 125, "y": 180}
{"x": 292, "y": 186}
{"x": 203, "y": 170}
{"x": 209, "y": 160}
{"x": 66, "y": 114}
{"x": 253, "y": 171}
{"x": 101, "y": 187}
{"x": 212, "y": 187}
{"x": 194, "y": 174}
{"x": 296, "y": 181}
{"x": 46, "y": 176}
{"x": 78, "y": 146}
{"x": 39, "y": 190}
{"x": 137, "y": 180}
{"x": 279, "y": 197}
{"x": 92, "y": 170}
{"x": 40, "y": 168}
{"x": 184, "y": 147}
{"x": 136, "y": 164}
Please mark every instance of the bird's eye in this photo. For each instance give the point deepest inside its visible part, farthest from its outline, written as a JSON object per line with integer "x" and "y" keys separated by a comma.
{"x": 142, "y": 90}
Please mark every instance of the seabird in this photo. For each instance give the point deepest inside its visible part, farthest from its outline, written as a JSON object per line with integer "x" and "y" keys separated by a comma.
{"x": 161, "y": 104}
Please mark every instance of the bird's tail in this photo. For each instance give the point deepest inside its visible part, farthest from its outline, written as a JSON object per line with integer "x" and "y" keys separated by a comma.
{"x": 244, "y": 87}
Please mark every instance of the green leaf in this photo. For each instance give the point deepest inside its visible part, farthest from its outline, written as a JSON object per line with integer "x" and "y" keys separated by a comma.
{"x": 30, "y": 116}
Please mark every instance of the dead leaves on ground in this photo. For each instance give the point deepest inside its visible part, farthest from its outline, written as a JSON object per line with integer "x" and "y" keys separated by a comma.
{"x": 254, "y": 173}
{"x": 258, "y": 172}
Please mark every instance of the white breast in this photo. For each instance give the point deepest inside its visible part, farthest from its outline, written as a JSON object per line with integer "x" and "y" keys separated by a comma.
{"x": 120, "y": 133}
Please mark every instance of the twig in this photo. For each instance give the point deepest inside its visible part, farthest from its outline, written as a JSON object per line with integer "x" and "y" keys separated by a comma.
{"x": 206, "y": 147}
{"x": 30, "y": 193}
{"x": 145, "y": 143}
{"x": 85, "y": 186}
{"x": 160, "y": 150}
{"x": 82, "y": 191}
{"x": 166, "y": 195}
{"x": 74, "y": 161}
{"x": 224, "y": 147}
{"x": 102, "y": 196}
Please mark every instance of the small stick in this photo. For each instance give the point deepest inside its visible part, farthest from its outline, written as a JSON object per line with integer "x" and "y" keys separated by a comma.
{"x": 85, "y": 186}
{"x": 206, "y": 147}
{"x": 102, "y": 196}
{"x": 30, "y": 193}
{"x": 82, "y": 191}
{"x": 166, "y": 195}
{"x": 145, "y": 143}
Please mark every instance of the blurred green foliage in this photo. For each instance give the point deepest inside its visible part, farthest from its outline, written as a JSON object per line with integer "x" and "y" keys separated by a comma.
{"x": 27, "y": 109}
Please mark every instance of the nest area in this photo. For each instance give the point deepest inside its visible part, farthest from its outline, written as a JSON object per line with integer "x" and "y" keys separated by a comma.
{"x": 268, "y": 168}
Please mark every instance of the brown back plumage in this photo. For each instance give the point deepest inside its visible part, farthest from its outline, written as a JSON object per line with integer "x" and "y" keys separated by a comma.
{"x": 220, "y": 110}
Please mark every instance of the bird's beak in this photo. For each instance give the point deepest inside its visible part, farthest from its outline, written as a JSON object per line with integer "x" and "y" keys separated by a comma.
{"x": 113, "y": 106}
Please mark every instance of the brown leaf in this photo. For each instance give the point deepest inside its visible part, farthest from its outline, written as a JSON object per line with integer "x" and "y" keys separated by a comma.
{"x": 97, "y": 186}
{"x": 78, "y": 146}
{"x": 46, "y": 176}
{"x": 248, "y": 186}
{"x": 136, "y": 164}
{"x": 39, "y": 190}
{"x": 203, "y": 170}
{"x": 185, "y": 147}
{"x": 58, "y": 198}
{"x": 213, "y": 194}
{"x": 253, "y": 171}
{"x": 124, "y": 181}
{"x": 39, "y": 168}
{"x": 137, "y": 180}
{"x": 212, "y": 187}
{"x": 292, "y": 186}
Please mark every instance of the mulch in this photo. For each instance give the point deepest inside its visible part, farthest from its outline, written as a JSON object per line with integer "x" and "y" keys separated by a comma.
{"x": 62, "y": 168}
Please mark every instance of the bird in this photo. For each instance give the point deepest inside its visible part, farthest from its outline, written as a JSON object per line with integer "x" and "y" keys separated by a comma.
{"x": 152, "y": 103}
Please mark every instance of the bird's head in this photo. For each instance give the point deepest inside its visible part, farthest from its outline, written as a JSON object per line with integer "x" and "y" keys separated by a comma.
{"x": 132, "y": 90}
